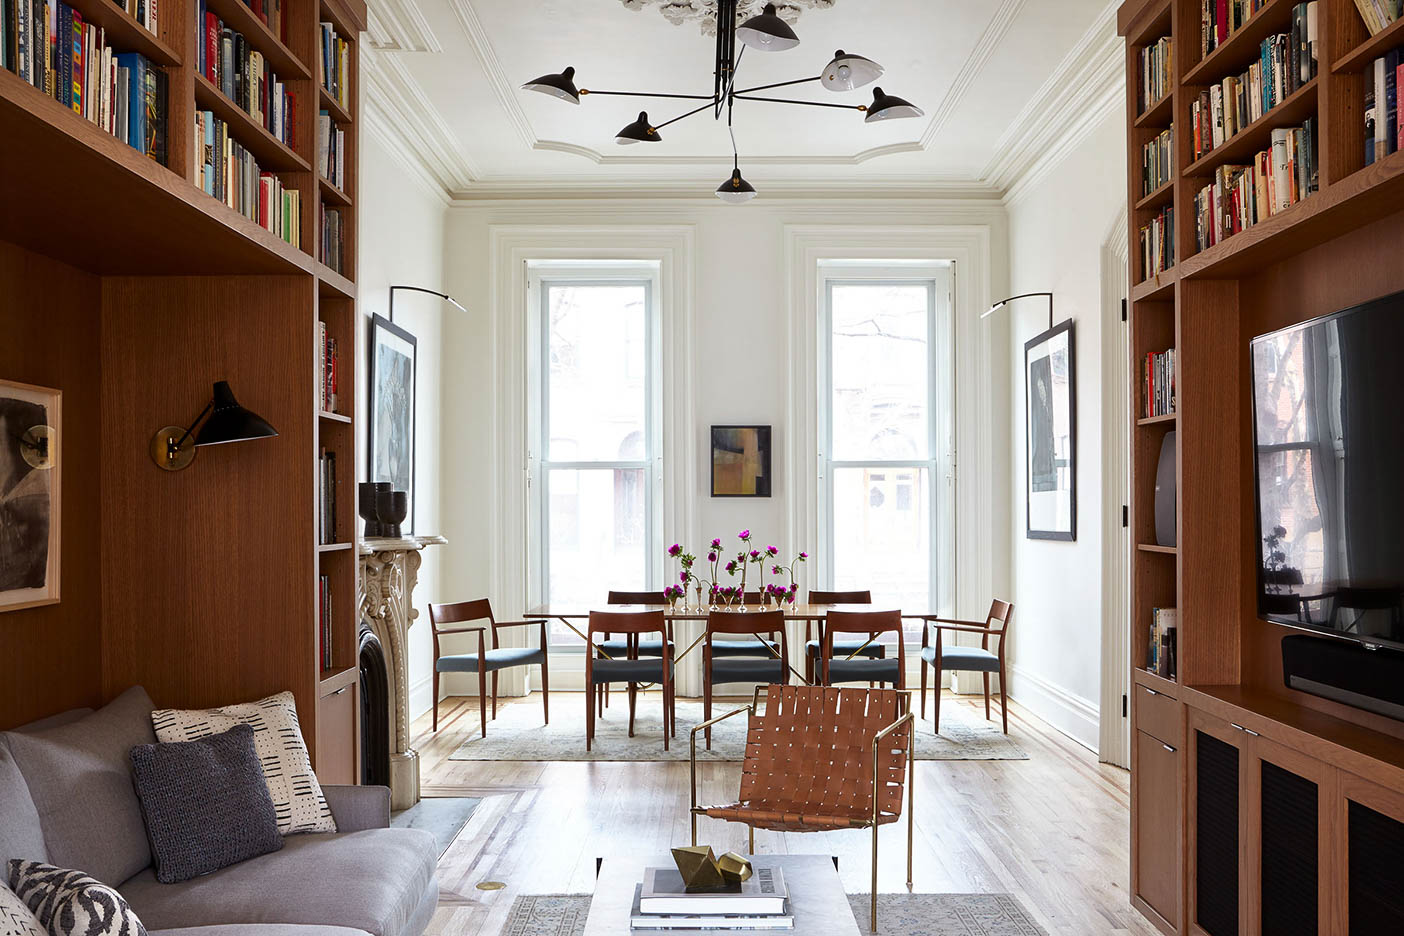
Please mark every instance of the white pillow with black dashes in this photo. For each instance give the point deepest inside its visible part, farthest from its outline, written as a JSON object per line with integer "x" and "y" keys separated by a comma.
{"x": 15, "y": 918}
{"x": 297, "y": 796}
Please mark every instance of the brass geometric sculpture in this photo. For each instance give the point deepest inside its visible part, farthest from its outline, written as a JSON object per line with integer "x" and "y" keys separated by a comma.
{"x": 702, "y": 871}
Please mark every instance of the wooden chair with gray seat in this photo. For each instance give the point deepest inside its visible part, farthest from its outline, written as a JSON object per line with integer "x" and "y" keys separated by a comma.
{"x": 485, "y": 660}
{"x": 759, "y": 660}
{"x": 844, "y": 647}
{"x": 646, "y": 647}
{"x": 839, "y": 667}
{"x": 942, "y": 657}
{"x": 631, "y": 668}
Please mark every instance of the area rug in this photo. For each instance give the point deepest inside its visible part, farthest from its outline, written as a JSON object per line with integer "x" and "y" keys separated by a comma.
{"x": 519, "y": 735}
{"x": 898, "y": 915}
{"x": 443, "y": 816}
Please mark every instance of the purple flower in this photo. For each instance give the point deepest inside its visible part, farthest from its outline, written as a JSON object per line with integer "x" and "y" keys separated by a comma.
{"x": 716, "y": 544}
{"x": 755, "y": 555}
{"x": 683, "y": 577}
{"x": 771, "y": 551}
{"x": 744, "y": 535}
{"x": 711, "y": 557}
{"x": 731, "y": 567}
{"x": 675, "y": 550}
{"x": 774, "y": 570}
{"x": 803, "y": 556}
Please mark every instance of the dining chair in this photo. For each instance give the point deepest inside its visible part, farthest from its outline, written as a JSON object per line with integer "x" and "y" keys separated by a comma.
{"x": 486, "y": 660}
{"x": 969, "y": 659}
{"x": 820, "y": 759}
{"x": 632, "y": 669}
{"x": 727, "y": 667}
{"x": 618, "y": 649}
{"x": 839, "y": 667}
{"x": 843, "y": 647}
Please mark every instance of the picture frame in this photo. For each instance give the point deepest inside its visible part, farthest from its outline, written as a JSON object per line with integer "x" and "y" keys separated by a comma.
{"x": 1050, "y": 435}
{"x": 390, "y": 454}
{"x": 31, "y": 527}
{"x": 741, "y": 461}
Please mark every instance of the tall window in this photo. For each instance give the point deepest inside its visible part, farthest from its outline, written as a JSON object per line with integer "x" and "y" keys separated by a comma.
{"x": 885, "y": 438}
{"x": 594, "y": 471}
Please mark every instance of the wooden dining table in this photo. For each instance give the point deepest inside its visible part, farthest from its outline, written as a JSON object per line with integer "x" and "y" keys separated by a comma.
{"x": 816, "y": 612}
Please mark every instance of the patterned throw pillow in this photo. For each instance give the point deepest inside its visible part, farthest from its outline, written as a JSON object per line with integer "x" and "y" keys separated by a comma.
{"x": 69, "y": 903}
{"x": 15, "y": 918}
{"x": 297, "y": 796}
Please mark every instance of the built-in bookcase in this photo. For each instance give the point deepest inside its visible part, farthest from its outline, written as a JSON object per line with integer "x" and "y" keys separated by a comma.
{"x": 210, "y": 577}
{"x": 1331, "y": 249}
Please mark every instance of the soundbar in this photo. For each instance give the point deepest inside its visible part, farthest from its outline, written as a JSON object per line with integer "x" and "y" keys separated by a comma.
{"x": 1349, "y": 673}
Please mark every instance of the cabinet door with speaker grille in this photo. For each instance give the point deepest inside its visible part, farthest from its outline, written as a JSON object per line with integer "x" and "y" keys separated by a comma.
{"x": 1373, "y": 819}
{"x": 1292, "y": 828}
{"x": 1215, "y": 824}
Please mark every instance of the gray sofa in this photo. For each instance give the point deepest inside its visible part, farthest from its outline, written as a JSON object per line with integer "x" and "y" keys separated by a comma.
{"x": 66, "y": 798}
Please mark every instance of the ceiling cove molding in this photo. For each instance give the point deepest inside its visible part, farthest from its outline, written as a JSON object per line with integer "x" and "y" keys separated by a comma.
{"x": 974, "y": 63}
{"x": 505, "y": 91}
{"x": 1111, "y": 104}
{"x": 599, "y": 159}
{"x": 1067, "y": 105}
{"x": 399, "y": 26}
{"x": 397, "y": 101}
{"x": 394, "y": 144}
{"x": 922, "y": 198}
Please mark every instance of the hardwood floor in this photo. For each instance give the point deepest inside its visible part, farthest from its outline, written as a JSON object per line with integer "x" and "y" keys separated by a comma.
{"x": 1051, "y": 830}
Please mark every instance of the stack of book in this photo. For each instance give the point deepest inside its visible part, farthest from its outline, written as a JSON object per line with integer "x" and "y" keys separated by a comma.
{"x": 1378, "y": 14}
{"x": 663, "y": 902}
{"x": 1219, "y": 19}
{"x": 332, "y": 238}
{"x": 1158, "y": 242}
{"x": 1382, "y": 106}
{"x": 1286, "y": 62}
{"x": 1160, "y": 654}
{"x": 1241, "y": 196}
{"x": 324, "y": 619}
{"x": 331, "y": 150}
{"x": 224, "y": 169}
{"x": 1158, "y": 161}
{"x": 328, "y": 372}
{"x": 240, "y": 71}
{"x": 1156, "y": 63}
{"x": 326, "y": 497}
{"x": 335, "y": 63}
{"x": 1158, "y": 383}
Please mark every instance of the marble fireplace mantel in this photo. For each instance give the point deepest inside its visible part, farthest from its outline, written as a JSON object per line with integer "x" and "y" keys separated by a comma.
{"x": 389, "y": 571}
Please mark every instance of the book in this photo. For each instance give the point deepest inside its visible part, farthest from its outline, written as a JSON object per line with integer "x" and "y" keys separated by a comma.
{"x": 1160, "y": 650}
{"x": 638, "y": 920}
{"x": 663, "y": 892}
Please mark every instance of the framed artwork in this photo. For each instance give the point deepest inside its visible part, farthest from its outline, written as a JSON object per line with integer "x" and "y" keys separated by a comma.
{"x": 1050, "y": 388}
{"x": 740, "y": 461}
{"x": 391, "y": 449}
{"x": 31, "y": 422}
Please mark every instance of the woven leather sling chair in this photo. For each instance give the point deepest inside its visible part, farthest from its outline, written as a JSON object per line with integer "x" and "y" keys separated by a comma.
{"x": 818, "y": 759}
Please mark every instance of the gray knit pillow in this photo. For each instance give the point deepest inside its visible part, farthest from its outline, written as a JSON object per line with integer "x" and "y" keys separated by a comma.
{"x": 205, "y": 803}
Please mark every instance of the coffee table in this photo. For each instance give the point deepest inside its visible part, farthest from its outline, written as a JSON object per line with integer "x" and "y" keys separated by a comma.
{"x": 817, "y": 899}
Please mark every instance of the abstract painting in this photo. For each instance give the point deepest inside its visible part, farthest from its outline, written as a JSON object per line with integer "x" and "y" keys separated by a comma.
{"x": 30, "y": 423}
{"x": 392, "y": 364}
{"x": 740, "y": 461}
{"x": 1051, "y": 435}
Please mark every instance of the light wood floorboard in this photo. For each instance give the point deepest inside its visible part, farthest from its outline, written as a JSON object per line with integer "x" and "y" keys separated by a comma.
{"x": 1051, "y": 830}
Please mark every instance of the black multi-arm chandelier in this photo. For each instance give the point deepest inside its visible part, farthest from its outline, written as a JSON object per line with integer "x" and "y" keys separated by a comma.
{"x": 766, "y": 32}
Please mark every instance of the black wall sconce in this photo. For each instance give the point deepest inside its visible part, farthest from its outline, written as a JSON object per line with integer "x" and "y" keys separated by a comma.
{"x": 173, "y": 448}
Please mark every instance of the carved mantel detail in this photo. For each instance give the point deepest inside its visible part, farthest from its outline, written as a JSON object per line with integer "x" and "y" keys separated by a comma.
{"x": 389, "y": 571}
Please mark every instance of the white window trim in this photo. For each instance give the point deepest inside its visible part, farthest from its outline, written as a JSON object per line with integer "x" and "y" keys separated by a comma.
{"x": 540, "y": 276}
{"x": 510, "y": 248}
{"x": 939, "y": 275}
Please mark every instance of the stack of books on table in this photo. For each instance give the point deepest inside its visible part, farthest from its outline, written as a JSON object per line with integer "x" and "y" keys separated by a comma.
{"x": 663, "y": 902}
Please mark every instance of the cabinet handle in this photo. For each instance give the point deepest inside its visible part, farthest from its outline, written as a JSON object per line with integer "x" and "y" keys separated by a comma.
{"x": 342, "y": 689}
{"x": 1150, "y": 690}
{"x": 1167, "y": 747}
{"x": 1252, "y": 732}
{"x": 1237, "y": 725}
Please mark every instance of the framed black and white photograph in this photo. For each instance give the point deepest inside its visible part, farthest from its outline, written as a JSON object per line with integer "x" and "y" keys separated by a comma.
{"x": 392, "y": 401}
{"x": 30, "y": 425}
{"x": 740, "y": 461}
{"x": 1051, "y": 434}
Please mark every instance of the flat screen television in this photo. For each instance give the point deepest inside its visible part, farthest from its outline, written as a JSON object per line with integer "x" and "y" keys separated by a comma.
{"x": 1328, "y": 420}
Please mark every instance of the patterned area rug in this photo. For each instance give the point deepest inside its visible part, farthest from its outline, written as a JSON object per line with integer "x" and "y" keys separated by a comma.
{"x": 898, "y": 915}
{"x": 518, "y": 734}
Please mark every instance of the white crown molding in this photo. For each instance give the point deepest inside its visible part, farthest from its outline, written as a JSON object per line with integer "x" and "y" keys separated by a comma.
{"x": 399, "y": 26}
{"x": 974, "y": 63}
{"x": 830, "y": 192}
{"x": 394, "y": 144}
{"x": 1075, "y": 98}
{"x": 410, "y": 126}
{"x": 600, "y": 159}
{"x": 504, "y": 90}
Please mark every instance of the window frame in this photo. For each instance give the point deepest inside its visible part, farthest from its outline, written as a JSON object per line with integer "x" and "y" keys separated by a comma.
{"x": 542, "y": 277}
{"x": 938, "y": 277}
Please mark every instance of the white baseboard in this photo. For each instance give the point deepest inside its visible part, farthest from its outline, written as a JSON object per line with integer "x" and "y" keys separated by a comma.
{"x": 421, "y": 697}
{"x": 1074, "y": 716}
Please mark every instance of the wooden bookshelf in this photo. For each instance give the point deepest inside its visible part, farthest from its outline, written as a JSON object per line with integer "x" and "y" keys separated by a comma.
{"x": 155, "y": 290}
{"x": 1333, "y": 249}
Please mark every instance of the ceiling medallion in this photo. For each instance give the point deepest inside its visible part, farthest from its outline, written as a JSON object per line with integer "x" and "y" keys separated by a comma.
{"x": 741, "y": 29}
{"x": 679, "y": 12}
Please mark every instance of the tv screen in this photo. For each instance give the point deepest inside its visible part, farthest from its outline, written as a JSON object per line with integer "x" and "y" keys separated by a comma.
{"x": 1329, "y": 443}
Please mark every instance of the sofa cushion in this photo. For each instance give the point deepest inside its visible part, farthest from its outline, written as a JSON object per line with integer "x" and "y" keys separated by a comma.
{"x": 21, "y": 833}
{"x": 80, "y": 777}
{"x": 371, "y": 880}
{"x": 70, "y": 903}
{"x": 205, "y": 803}
{"x": 287, "y": 768}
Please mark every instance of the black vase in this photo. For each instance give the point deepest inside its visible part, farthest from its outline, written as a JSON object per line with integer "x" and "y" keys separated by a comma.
{"x": 391, "y": 507}
{"x": 368, "y": 506}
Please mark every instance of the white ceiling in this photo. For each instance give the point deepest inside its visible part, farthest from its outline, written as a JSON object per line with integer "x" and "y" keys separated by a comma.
{"x": 449, "y": 72}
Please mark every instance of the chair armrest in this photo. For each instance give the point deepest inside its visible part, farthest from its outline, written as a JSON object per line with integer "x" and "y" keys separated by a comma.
{"x": 535, "y": 623}
{"x": 964, "y": 629}
{"x": 939, "y": 621}
{"x": 692, "y": 758}
{"x": 357, "y": 808}
{"x": 467, "y": 629}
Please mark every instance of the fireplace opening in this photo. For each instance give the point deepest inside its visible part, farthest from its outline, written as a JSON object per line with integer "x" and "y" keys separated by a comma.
{"x": 375, "y": 710}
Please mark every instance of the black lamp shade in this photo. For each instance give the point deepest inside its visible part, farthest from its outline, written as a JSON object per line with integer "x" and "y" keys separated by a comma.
{"x": 230, "y": 422}
{"x": 767, "y": 32}
{"x": 640, "y": 131}
{"x": 561, "y": 86}
{"x": 736, "y": 190}
{"x": 890, "y": 107}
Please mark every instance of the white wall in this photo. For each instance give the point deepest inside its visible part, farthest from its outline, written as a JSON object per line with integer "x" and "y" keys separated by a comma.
{"x": 739, "y": 355}
{"x": 402, "y": 243}
{"x": 1056, "y": 233}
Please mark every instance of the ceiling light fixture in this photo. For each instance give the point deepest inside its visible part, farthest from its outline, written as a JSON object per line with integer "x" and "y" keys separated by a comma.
{"x": 765, "y": 32}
